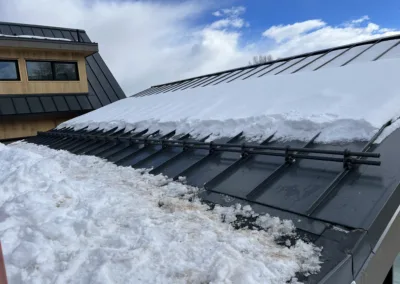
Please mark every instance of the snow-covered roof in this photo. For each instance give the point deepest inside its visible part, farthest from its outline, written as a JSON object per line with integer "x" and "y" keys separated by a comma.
{"x": 371, "y": 50}
{"x": 347, "y": 103}
{"x": 299, "y": 145}
{"x": 34, "y": 37}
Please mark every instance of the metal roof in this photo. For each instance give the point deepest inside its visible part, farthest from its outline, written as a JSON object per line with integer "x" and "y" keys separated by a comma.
{"x": 339, "y": 196}
{"x": 103, "y": 87}
{"x": 371, "y": 50}
{"x": 45, "y": 103}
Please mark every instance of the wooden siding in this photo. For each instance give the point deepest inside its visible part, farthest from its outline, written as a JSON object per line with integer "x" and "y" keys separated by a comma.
{"x": 43, "y": 87}
{"x": 16, "y": 127}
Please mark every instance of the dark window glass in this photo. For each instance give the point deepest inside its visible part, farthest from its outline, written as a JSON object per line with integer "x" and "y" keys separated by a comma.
{"x": 8, "y": 70}
{"x": 65, "y": 71}
{"x": 39, "y": 70}
{"x": 49, "y": 71}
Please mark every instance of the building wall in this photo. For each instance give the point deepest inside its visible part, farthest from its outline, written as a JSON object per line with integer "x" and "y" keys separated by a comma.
{"x": 23, "y": 126}
{"x": 43, "y": 87}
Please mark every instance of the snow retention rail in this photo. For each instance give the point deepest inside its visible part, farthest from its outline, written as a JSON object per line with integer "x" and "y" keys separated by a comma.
{"x": 348, "y": 158}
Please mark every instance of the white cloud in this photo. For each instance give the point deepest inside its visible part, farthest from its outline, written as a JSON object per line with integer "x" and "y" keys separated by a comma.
{"x": 284, "y": 32}
{"x": 360, "y": 20}
{"x": 148, "y": 42}
{"x": 234, "y": 11}
{"x": 217, "y": 14}
{"x": 315, "y": 34}
{"x": 230, "y": 12}
{"x": 228, "y": 22}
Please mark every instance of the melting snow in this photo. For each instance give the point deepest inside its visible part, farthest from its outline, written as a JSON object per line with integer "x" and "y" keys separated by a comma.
{"x": 346, "y": 103}
{"x": 35, "y": 37}
{"x": 78, "y": 219}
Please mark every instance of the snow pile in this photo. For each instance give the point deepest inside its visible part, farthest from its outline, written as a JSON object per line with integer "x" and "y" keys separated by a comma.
{"x": 35, "y": 37}
{"x": 78, "y": 219}
{"x": 346, "y": 103}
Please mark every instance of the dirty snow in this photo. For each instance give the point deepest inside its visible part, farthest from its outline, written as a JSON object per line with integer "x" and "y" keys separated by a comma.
{"x": 346, "y": 103}
{"x": 79, "y": 219}
{"x": 35, "y": 37}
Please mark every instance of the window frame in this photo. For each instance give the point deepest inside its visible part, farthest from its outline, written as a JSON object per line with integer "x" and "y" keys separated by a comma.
{"x": 16, "y": 69}
{"x": 53, "y": 70}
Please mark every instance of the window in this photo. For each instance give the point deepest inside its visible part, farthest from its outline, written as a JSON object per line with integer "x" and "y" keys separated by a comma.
{"x": 66, "y": 71}
{"x": 9, "y": 70}
{"x": 52, "y": 71}
{"x": 39, "y": 70}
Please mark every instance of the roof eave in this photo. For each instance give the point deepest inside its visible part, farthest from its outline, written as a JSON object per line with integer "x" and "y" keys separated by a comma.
{"x": 48, "y": 44}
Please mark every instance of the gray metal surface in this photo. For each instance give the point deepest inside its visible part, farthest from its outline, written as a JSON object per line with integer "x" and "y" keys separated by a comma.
{"x": 103, "y": 88}
{"x": 43, "y": 103}
{"x": 348, "y": 217}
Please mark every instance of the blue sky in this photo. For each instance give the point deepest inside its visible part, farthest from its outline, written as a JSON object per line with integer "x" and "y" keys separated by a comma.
{"x": 148, "y": 42}
{"x": 265, "y": 13}
{"x": 272, "y": 12}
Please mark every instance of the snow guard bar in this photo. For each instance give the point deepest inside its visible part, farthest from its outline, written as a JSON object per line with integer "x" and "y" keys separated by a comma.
{"x": 348, "y": 158}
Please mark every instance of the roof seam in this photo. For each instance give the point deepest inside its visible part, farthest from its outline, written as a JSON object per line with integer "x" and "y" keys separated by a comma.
{"x": 108, "y": 81}
{"x": 294, "y": 57}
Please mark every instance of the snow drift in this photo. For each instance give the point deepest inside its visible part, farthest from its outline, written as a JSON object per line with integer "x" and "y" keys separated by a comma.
{"x": 346, "y": 103}
{"x": 78, "y": 219}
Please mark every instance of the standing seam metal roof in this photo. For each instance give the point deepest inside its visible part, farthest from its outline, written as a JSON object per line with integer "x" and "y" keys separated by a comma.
{"x": 371, "y": 50}
{"x": 308, "y": 183}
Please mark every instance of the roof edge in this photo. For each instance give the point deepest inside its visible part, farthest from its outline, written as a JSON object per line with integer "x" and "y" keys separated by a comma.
{"x": 50, "y": 44}
{"x": 41, "y": 26}
{"x": 43, "y": 95}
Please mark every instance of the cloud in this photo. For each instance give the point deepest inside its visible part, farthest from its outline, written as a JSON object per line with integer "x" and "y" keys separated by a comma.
{"x": 360, "y": 20}
{"x": 232, "y": 18}
{"x": 148, "y": 42}
{"x": 217, "y": 14}
{"x": 315, "y": 34}
{"x": 230, "y": 12}
{"x": 284, "y": 32}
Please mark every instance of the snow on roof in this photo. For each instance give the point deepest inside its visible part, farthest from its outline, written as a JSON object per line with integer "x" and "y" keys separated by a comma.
{"x": 69, "y": 218}
{"x": 35, "y": 37}
{"x": 347, "y": 103}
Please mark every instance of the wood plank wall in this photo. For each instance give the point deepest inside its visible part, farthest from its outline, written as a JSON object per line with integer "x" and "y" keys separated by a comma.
{"x": 43, "y": 87}
{"x": 16, "y": 127}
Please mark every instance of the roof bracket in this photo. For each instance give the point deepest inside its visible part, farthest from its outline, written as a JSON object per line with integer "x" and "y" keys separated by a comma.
{"x": 289, "y": 158}
{"x": 347, "y": 160}
{"x": 164, "y": 144}
{"x": 212, "y": 148}
{"x": 185, "y": 147}
{"x": 244, "y": 153}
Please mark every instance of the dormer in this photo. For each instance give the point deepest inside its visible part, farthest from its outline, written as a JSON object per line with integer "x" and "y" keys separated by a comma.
{"x": 49, "y": 75}
{"x": 40, "y": 65}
